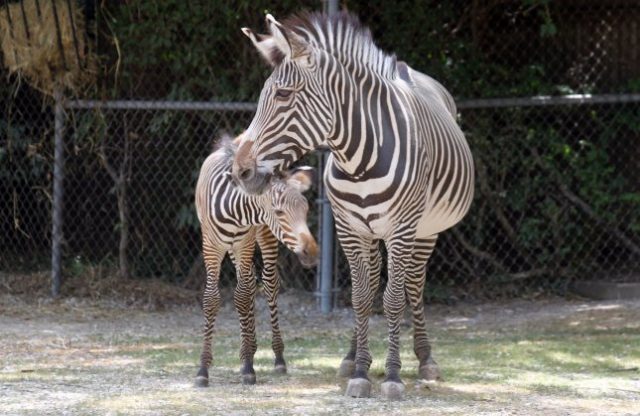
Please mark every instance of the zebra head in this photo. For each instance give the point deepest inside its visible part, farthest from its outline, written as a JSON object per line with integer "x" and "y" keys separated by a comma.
{"x": 287, "y": 212}
{"x": 294, "y": 113}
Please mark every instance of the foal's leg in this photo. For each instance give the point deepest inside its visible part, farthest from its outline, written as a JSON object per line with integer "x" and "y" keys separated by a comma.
{"x": 269, "y": 249}
{"x": 211, "y": 301}
{"x": 428, "y": 368}
{"x": 244, "y": 301}
{"x": 348, "y": 364}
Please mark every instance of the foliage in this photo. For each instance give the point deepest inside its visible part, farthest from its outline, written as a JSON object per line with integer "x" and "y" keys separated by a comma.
{"x": 200, "y": 53}
{"x": 25, "y": 178}
{"x": 552, "y": 198}
{"x": 522, "y": 221}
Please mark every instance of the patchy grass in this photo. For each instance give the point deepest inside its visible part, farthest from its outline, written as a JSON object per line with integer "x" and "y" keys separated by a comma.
{"x": 550, "y": 357}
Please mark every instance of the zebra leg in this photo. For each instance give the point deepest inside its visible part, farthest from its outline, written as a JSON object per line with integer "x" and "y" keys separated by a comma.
{"x": 428, "y": 368}
{"x": 269, "y": 249}
{"x": 348, "y": 364}
{"x": 210, "y": 305}
{"x": 399, "y": 259}
{"x": 244, "y": 301}
{"x": 357, "y": 252}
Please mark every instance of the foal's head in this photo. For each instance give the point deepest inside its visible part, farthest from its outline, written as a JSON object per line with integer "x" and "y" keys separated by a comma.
{"x": 286, "y": 213}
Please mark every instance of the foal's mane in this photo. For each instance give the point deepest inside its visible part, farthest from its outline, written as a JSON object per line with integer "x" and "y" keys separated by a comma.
{"x": 226, "y": 147}
{"x": 343, "y": 35}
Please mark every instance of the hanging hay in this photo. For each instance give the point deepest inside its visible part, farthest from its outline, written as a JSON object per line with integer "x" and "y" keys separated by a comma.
{"x": 33, "y": 52}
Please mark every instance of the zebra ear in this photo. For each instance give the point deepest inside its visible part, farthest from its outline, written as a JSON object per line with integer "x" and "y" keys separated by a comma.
{"x": 266, "y": 45}
{"x": 301, "y": 178}
{"x": 292, "y": 45}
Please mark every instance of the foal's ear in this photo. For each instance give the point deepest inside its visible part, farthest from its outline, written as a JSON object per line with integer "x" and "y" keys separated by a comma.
{"x": 301, "y": 178}
{"x": 266, "y": 45}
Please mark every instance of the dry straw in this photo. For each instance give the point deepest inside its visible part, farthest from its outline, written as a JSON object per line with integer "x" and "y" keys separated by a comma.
{"x": 33, "y": 50}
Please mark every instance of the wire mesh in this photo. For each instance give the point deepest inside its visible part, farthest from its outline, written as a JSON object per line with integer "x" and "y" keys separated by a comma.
{"x": 557, "y": 195}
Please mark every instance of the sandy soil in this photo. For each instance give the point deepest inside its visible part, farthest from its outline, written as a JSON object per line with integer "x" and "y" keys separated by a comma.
{"x": 97, "y": 357}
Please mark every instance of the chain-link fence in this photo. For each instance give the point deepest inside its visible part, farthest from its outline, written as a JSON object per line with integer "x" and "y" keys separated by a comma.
{"x": 129, "y": 179}
{"x": 557, "y": 194}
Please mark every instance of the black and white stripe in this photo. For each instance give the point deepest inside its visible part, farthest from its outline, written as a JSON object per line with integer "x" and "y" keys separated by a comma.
{"x": 233, "y": 222}
{"x": 400, "y": 170}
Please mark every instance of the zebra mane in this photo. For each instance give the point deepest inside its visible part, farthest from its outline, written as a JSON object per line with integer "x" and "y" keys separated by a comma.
{"x": 343, "y": 35}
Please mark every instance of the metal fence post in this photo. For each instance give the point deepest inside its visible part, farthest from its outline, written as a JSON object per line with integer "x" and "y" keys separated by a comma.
{"x": 57, "y": 209}
{"x": 326, "y": 240}
{"x": 325, "y": 270}
{"x": 330, "y": 6}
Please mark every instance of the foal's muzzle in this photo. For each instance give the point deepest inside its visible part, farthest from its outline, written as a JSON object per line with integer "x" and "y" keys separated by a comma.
{"x": 308, "y": 251}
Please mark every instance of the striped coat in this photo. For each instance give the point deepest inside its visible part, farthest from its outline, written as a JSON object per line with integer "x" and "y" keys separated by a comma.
{"x": 233, "y": 222}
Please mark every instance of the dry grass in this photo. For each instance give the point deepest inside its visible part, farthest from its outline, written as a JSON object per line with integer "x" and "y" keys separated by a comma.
{"x": 101, "y": 285}
{"x": 550, "y": 357}
{"x": 32, "y": 50}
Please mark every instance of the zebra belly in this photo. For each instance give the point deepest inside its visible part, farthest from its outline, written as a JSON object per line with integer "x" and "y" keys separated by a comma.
{"x": 231, "y": 238}
{"x": 438, "y": 218}
{"x": 372, "y": 222}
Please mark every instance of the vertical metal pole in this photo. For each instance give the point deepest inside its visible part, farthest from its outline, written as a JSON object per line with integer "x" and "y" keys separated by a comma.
{"x": 58, "y": 176}
{"x": 326, "y": 265}
{"x": 330, "y": 6}
{"x": 326, "y": 232}
{"x": 326, "y": 221}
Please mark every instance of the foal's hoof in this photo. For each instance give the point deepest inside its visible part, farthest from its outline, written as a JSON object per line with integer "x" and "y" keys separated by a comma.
{"x": 392, "y": 390}
{"x": 347, "y": 367}
{"x": 280, "y": 369}
{"x": 430, "y": 371}
{"x": 358, "y": 387}
{"x": 202, "y": 381}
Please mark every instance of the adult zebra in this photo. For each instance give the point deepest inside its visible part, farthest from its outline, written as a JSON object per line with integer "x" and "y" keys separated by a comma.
{"x": 232, "y": 222}
{"x": 400, "y": 168}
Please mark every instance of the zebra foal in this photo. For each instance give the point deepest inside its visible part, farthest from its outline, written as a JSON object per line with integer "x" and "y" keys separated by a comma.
{"x": 233, "y": 222}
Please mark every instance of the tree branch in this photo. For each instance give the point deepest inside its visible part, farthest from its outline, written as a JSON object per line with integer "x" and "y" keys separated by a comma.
{"x": 510, "y": 277}
{"x": 586, "y": 208}
{"x": 105, "y": 162}
{"x": 590, "y": 212}
{"x": 495, "y": 206}
{"x": 478, "y": 252}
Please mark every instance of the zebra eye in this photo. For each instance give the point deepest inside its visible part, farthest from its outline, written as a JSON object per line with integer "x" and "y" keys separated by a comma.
{"x": 278, "y": 212}
{"x": 283, "y": 93}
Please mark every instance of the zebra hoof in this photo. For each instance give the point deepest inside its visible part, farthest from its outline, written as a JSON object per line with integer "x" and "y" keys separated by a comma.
{"x": 392, "y": 390}
{"x": 347, "y": 367}
{"x": 358, "y": 387}
{"x": 202, "y": 378}
{"x": 430, "y": 371}
{"x": 280, "y": 369}
{"x": 202, "y": 381}
{"x": 248, "y": 379}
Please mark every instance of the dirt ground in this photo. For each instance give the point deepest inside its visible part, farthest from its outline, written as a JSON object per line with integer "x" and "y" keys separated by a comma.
{"x": 551, "y": 356}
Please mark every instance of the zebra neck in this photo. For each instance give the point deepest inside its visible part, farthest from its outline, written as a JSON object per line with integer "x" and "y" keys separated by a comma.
{"x": 369, "y": 125}
{"x": 259, "y": 204}
{"x": 248, "y": 209}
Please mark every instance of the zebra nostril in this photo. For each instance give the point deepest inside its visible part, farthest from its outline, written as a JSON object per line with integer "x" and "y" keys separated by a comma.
{"x": 246, "y": 173}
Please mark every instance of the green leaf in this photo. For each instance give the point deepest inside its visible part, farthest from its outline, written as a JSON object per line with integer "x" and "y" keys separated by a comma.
{"x": 548, "y": 29}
